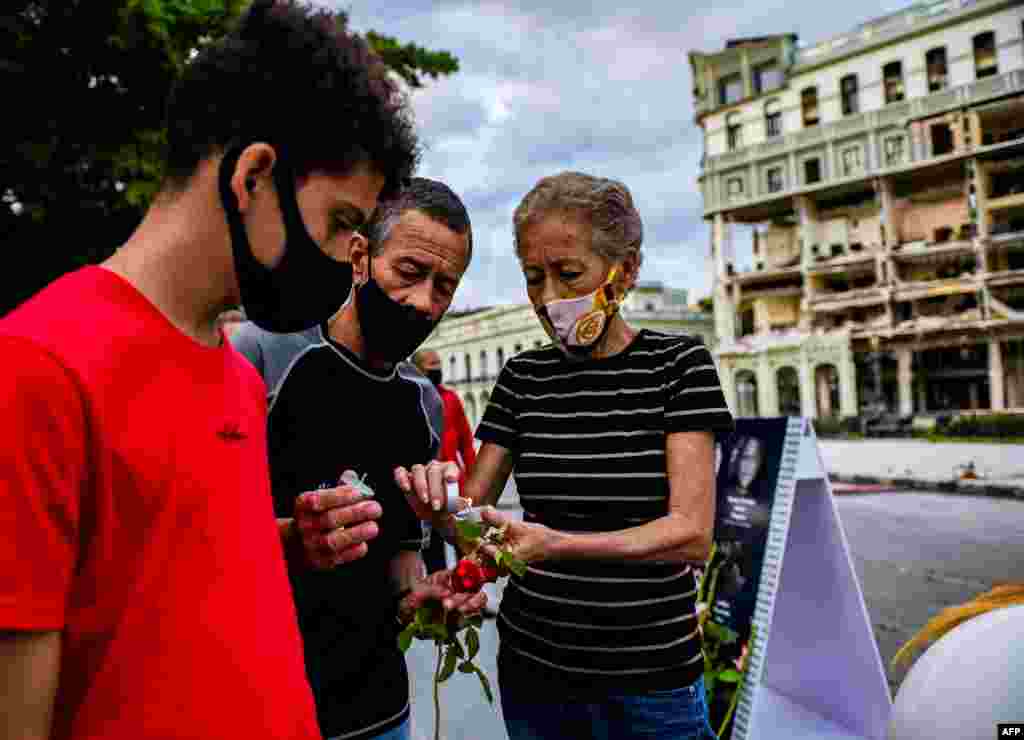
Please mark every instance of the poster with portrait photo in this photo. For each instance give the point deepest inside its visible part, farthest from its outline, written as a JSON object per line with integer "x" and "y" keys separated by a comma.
{"x": 748, "y": 462}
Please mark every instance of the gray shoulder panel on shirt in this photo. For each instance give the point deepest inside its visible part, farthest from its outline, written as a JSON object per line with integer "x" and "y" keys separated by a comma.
{"x": 430, "y": 403}
{"x": 272, "y": 354}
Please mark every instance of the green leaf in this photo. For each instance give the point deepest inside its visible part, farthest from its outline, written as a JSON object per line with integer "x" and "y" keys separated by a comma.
{"x": 469, "y": 530}
{"x": 139, "y": 192}
{"x": 730, "y": 675}
{"x": 472, "y": 642}
{"x": 710, "y": 681}
{"x": 424, "y": 615}
{"x": 714, "y": 630}
{"x": 485, "y": 683}
{"x": 466, "y": 667}
{"x": 437, "y": 631}
{"x": 719, "y": 633}
{"x": 406, "y": 637}
{"x": 449, "y": 666}
{"x": 498, "y": 557}
{"x": 475, "y": 621}
{"x": 515, "y": 565}
{"x": 410, "y": 61}
{"x": 455, "y": 645}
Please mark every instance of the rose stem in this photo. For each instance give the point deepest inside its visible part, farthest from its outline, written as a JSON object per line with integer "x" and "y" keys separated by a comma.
{"x": 437, "y": 696}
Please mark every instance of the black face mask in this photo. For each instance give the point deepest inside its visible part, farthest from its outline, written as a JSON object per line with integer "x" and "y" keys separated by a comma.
{"x": 307, "y": 286}
{"x": 434, "y": 375}
{"x": 391, "y": 330}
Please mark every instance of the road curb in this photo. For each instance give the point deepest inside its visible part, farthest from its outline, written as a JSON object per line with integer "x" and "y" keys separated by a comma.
{"x": 975, "y": 487}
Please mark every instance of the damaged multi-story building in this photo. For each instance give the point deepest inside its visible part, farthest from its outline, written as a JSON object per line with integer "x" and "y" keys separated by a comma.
{"x": 876, "y": 183}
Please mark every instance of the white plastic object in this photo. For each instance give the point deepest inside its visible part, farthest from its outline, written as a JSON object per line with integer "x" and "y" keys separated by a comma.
{"x": 966, "y": 682}
{"x": 454, "y": 503}
{"x": 472, "y": 514}
{"x": 351, "y": 478}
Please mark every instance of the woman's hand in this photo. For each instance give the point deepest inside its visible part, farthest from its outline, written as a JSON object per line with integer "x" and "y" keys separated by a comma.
{"x": 525, "y": 541}
{"x": 437, "y": 587}
{"x": 426, "y": 486}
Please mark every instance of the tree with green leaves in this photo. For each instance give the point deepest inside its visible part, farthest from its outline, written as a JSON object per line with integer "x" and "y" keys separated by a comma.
{"x": 86, "y": 84}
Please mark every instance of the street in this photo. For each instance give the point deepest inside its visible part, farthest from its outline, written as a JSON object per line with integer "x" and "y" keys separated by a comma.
{"x": 915, "y": 554}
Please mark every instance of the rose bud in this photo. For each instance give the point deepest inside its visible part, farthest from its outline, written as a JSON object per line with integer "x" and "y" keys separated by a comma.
{"x": 489, "y": 571}
{"x": 467, "y": 577}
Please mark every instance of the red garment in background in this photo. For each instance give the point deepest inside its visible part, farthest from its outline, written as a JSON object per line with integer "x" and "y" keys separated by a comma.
{"x": 458, "y": 437}
{"x": 136, "y": 519}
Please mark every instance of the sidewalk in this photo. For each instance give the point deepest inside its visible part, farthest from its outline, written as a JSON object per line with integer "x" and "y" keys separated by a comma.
{"x": 877, "y": 465}
{"x": 912, "y": 463}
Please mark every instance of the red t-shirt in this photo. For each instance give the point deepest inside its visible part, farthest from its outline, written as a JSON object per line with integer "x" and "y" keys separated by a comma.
{"x": 136, "y": 518}
{"x": 457, "y": 439}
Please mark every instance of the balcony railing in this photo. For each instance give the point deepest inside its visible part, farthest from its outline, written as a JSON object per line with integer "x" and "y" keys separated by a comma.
{"x": 844, "y": 263}
{"x": 896, "y": 113}
{"x": 482, "y": 379}
{"x": 929, "y": 251}
{"x": 762, "y": 275}
{"x": 785, "y": 291}
{"x": 847, "y": 298}
{"x": 912, "y": 291}
{"x": 1004, "y": 277}
{"x": 1007, "y": 238}
{"x": 471, "y": 381}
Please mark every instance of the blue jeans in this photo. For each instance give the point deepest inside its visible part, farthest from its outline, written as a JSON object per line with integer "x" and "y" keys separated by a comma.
{"x": 675, "y": 714}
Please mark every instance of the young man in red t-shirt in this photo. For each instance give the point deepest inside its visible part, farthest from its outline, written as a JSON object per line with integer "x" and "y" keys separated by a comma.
{"x": 143, "y": 592}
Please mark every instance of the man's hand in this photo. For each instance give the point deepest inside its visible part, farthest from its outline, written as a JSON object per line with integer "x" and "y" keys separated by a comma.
{"x": 426, "y": 486}
{"x": 437, "y": 587}
{"x": 335, "y": 524}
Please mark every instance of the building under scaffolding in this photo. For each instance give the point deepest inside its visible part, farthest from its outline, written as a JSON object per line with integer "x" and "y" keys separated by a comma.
{"x": 879, "y": 176}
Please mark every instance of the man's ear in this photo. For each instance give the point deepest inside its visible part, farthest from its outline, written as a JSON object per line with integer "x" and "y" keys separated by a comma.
{"x": 359, "y": 256}
{"x": 342, "y": 252}
{"x": 252, "y": 173}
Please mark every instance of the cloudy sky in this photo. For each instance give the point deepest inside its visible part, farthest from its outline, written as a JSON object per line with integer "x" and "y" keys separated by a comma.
{"x": 602, "y": 87}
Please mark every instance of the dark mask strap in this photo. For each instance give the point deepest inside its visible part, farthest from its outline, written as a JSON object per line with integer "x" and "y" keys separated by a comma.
{"x": 227, "y": 195}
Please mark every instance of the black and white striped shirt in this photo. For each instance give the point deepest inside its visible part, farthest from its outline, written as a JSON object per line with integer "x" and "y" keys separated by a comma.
{"x": 588, "y": 439}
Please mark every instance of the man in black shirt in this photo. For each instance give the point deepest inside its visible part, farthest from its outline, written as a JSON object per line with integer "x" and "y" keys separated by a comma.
{"x": 342, "y": 405}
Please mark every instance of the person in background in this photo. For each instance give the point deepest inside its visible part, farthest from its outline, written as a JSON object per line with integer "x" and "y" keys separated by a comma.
{"x": 144, "y": 594}
{"x": 610, "y": 432}
{"x": 341, "y": 404}
{"x": 456, "y": 443}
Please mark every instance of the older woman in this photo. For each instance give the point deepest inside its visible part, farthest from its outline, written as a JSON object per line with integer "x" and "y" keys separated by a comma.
{"x": 610, "y": 433}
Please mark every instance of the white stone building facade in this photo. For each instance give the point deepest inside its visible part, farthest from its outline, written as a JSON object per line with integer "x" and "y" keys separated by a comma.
{"x": 880, "y": 175}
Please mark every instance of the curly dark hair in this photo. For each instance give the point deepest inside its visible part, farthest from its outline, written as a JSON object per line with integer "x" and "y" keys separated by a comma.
{"x": 292, "y": 77}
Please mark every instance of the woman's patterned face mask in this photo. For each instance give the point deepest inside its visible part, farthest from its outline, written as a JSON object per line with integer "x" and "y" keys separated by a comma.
{"x": 577, "y": 324}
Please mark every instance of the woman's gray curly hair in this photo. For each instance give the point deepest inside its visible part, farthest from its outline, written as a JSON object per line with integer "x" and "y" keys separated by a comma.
{"x": 604, "y": 204}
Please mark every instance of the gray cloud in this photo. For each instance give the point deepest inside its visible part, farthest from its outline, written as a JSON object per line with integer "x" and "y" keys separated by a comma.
{"x": 593, "y": 86}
